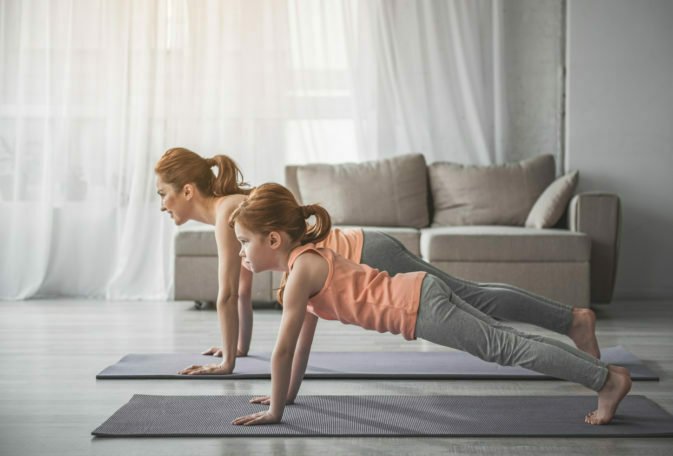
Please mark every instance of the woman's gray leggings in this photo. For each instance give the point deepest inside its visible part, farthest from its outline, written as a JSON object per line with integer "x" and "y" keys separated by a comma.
{"x": 504, "y": 302}
{"x": 445, "y": 319}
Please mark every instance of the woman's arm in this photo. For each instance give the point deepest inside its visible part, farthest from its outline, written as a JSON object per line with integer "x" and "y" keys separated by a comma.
{"x": 228, "y": 273}
{"x": 229, "y": 269}
{"x": 244, "y": 311}
{"x": 244, "y": 315}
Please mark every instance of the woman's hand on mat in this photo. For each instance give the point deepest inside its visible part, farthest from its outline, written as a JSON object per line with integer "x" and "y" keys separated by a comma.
{"x": 266, "y": 400}
{"x": 217, "y": 351}
{"x": 208, "y": 369}
{"x": 256, "y": 418}
{"x": 214, "y": 351}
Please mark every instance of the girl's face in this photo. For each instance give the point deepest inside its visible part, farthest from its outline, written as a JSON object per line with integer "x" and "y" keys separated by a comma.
{"x": 172, "y": 202}
{"x": 257, "y": 250}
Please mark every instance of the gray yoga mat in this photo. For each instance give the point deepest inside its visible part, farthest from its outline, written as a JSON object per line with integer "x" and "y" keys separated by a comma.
{"x": 357, "y": 365}
{"x": 515, "y": 416}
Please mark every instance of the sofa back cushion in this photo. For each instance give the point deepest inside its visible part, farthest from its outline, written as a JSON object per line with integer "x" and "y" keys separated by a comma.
{"x": 389, "y": 192}
{"x": 488, "y": 195}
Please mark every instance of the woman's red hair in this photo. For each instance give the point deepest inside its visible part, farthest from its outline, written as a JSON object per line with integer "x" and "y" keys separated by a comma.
{"x": 179, "y": 166}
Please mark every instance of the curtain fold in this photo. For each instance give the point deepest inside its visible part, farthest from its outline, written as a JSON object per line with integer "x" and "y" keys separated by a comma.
{"x": 435, "y": 85}
{"x": 93, "y": 92}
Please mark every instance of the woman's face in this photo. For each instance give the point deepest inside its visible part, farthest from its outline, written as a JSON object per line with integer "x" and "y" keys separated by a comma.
{"x": 172, "y": 202}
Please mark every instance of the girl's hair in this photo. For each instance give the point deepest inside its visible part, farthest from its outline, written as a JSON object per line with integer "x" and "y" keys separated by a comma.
{"x": 179, "y": 166}
{"x": 272, "y": 207}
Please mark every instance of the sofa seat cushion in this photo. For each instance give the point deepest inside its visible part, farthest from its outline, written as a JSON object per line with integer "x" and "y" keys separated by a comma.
{"x": 195, "y": 240}
{"x": 503, "y": 243}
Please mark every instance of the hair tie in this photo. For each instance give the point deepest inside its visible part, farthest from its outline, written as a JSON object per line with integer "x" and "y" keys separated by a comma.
{"x": 210, "y": 162}
{"x": 305, "y": 211}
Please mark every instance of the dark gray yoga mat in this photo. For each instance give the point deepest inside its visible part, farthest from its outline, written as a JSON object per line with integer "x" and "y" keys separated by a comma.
{"x": 358, "y": 365}
{"x": 467, "y": 416}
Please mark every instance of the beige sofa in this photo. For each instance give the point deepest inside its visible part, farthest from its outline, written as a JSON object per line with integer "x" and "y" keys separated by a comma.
{"x": 514, "y": 223}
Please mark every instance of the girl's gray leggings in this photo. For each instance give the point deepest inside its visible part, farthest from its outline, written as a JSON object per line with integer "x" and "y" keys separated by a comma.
{"x": 504, "y": 302}
{"x": 445, "y": 319}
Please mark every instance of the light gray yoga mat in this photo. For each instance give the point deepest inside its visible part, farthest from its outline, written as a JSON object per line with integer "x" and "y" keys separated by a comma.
{"x": 515, "y": 416}
{"x": 358, "y": 365}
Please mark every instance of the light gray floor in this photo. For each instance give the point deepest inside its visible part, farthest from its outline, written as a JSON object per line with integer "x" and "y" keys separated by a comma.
{"x": 51, "y": 350}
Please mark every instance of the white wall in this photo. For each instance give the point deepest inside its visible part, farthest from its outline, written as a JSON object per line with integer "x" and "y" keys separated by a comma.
{"x": 619, "y": 130}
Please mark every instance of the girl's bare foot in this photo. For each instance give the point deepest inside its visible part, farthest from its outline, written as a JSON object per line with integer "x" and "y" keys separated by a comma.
{"x": 617, "y": 385}
{"x": 583, "y": 331}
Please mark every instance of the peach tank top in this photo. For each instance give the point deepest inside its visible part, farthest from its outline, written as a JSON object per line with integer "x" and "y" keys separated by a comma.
{"x": 346, "y": 242}
{"x": 361, "y": 295}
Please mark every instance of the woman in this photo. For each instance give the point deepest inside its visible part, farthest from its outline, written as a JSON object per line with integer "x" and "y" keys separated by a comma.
{"x": 190, "y": 190}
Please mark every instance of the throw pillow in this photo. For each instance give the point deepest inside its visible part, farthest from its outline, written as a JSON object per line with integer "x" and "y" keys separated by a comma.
{"x": 550, "y": 206}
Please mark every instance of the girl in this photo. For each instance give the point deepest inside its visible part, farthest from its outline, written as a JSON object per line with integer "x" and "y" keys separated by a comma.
{"x": 274, "y": 235}
{"x": 190, "y": 191}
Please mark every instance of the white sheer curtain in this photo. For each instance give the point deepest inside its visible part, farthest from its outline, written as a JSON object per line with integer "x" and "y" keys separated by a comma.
{"x": 92, "y": 93}
{"x": 428, "y": 77}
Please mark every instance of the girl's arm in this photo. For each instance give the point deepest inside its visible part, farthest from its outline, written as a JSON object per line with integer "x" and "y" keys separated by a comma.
{"x": 307, "y": 278}
{"x": 294, "y": 309}
{"x": 301, "y": 355}
{"x": 229, "y": 269}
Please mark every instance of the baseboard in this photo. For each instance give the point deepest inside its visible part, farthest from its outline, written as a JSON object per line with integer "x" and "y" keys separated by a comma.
{"x": 644, "y": 293}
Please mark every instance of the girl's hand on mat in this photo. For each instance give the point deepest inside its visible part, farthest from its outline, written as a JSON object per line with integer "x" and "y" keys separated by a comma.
{"x": 256, "y": 418}
{"x": 208, "y": 369}
{"x": 266, "y": 400}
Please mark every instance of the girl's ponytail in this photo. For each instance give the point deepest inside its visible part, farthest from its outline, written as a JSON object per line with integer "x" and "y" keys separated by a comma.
{"x": 322, "y": 226}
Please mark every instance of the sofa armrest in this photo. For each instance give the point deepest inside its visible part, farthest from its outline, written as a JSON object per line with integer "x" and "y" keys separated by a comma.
{"x": 598, "y": 215}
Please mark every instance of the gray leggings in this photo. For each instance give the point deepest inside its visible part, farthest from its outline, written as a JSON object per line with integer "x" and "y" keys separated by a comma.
{"x": 445, "y": 319}
{"x": 504, "y": 302}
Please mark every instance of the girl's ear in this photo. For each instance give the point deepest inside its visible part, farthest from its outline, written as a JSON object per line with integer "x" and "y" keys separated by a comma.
{"x": 275, "y": 239}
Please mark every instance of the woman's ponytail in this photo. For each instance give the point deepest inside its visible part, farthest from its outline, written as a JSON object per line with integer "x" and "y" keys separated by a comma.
{"x": 322, "y": 226}
{"x": 179, "y": 166}
{"x": 229, "y": 179}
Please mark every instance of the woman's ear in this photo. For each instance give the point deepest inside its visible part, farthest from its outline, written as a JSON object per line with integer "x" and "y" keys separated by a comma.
{"x": 188, "y": 191}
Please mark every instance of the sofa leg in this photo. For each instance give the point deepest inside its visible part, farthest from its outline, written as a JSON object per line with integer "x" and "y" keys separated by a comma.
{"x": 202, "y": 305}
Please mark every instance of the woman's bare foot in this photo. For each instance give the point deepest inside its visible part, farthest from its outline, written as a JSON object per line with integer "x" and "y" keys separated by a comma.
{"x": 583, "y": 331}
{"x": 617, "y": 385}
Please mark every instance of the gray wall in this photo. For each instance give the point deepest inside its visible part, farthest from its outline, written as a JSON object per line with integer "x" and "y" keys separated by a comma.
{"x": 533, "y": 33}
{"x": 619, "y": 130}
